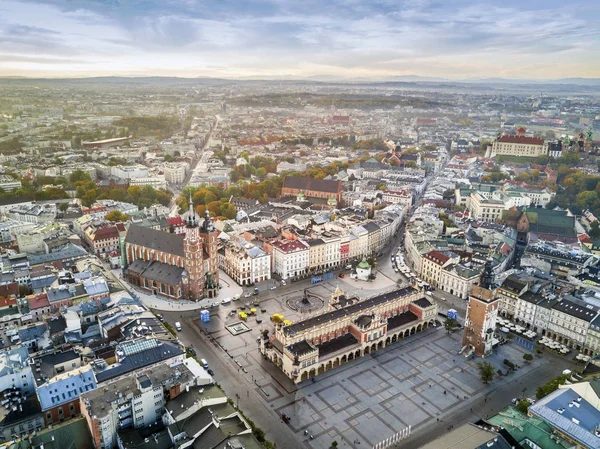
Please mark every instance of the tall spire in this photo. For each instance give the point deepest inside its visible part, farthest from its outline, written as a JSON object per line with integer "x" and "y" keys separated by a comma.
{"x": 191, "y": 214}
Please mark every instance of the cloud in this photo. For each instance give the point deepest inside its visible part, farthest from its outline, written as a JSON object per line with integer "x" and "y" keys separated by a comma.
{"x": 462, "y": 38}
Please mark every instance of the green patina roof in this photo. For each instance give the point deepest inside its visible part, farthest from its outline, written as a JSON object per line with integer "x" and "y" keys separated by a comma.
{"x": 364, "y": 265}
{"x": 522, "y": 427}
{"x": 545, "y": 221}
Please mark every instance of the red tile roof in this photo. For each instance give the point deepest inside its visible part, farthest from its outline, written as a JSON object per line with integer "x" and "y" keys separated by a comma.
{"x": 8, "y": 301}
{"x": 176, "y": 221}
{"x": 523, "y": 140}
{"x": 38, "y": 301}
{"x": 437, "y": 257}
{"x": 9, "y": 289}
{"x": 289, "y": 246}
{"x": 109, "y": 232}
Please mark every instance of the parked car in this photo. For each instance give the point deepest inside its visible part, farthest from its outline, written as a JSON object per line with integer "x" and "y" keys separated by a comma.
{"x": 247, "y": 295}
{"x": 210, "y": 371}
{"x": 160, "y": 318}
{"x": 215, "y": 304}
{"x": 274, "y": 287}
{"x": 178, "y": 326}
{"x": 341, "y": 275}
{"x": 283, "y": 282}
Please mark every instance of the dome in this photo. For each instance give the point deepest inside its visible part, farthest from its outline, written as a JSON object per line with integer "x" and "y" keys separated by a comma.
{"x": 364, "y": 265}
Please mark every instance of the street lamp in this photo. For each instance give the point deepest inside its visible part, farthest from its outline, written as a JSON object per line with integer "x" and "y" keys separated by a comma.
{"x": 237, "y": 402}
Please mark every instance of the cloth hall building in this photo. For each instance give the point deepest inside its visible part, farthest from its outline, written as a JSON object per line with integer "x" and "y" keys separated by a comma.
{"x": 350, "y": 329}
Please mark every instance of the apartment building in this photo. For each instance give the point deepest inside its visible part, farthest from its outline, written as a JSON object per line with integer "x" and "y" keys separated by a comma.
{"x": 175, "y": 172}
{"x": 134, "y": 401}
{"x": 483, "y": 209}
{"x": 15, "y": 370}
{"x": 404, "y": 197}
{"x": 458, "y": 280}
{"x": 245, "y": 263}
{"x": 324, "y": 253}
{"x": 60, "y": 379}
{"x": 290, "y": 258}
{"x": 104, "y": 239}
{"x": 8, "y": 183}
{"x": 570, "y": 319}
{"x": 433, "y": 264}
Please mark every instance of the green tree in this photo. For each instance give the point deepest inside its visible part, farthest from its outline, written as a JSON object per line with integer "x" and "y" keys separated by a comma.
{"x": 24, "y": 290}
{"x": 450, "y": 325}
{"x": 79, "y": 176}
{"x": 486, "y": 372}
{"x": 551, "y": 386}
{"x": 63, "y": 207}
{"x": 116, "y": 216}
{"x": 594, "y": 229}
{"x": 523, "y": 405}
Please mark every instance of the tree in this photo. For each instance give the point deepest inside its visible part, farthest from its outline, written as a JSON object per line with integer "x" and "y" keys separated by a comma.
{"x": 24, "y": 290}
{"x": 79, "y": 175}
{"x": 594, "y": 229}
{"x": 528, "y": 357}
{"x": 523, "y": 405}
{"x": 89, "y": 198}
{"x": 450, "y": 325}
{"x": 550, "y": 134}
{"x": 486, "y": 372}
{"x": 63, "y": 207}
{"x": 551, "y": 386}
{"x": 116, "y": 216}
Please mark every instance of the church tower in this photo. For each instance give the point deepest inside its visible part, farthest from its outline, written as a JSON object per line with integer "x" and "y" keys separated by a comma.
{"x": 208, "y": 236}
{"x": 193, "y": 263}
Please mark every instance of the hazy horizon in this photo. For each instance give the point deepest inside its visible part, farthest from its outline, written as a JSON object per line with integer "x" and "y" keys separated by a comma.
{"x": 276, "y": 38}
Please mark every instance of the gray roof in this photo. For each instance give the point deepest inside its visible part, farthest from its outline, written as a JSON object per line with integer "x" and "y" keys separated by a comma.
{"x": 586, "y": 416}
{"x": 577, "y": 308}
{"x": 157, "y": 240}
{"x": 139, "y": 360}
{"x": 157, "y": 271}
{"x": 336, "y": 314}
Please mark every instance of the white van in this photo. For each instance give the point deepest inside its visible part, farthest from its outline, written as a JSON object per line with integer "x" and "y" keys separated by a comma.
{"x": 226, "y": 301}
{"x": 348, "y": 267}
{"x": 178, "y": 326}
{"x": 204, "y": 363}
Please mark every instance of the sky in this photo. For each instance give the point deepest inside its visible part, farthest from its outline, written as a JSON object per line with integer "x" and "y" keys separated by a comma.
{"x": 379, "y": 39}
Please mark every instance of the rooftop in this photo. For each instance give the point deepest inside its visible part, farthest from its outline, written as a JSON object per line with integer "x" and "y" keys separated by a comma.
{"x": 349, "y": 310}
{"x": 573, "y": 416}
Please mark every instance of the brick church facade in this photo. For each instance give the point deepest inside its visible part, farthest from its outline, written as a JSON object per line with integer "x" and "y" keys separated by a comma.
{"x": 172, "y": 265}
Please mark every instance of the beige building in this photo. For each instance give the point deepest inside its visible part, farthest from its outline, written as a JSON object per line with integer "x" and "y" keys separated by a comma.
{"x": 175, "y": 172}
{"x": 519, "y": 146}
{"x": 433, "y": 264}
{"x": 483, "y": 209}
{"x": 246, "y": 264}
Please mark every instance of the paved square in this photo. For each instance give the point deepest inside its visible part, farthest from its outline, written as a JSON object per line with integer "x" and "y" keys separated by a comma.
{"x": 368, "y": 399}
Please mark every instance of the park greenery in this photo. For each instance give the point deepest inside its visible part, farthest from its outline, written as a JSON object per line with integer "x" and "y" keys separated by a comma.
{"x": 160, "y": 127}
{"x": 141, "y": 196}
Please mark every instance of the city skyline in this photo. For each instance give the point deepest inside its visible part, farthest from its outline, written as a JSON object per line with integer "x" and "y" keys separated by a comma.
{"x": 537, "y": 40}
